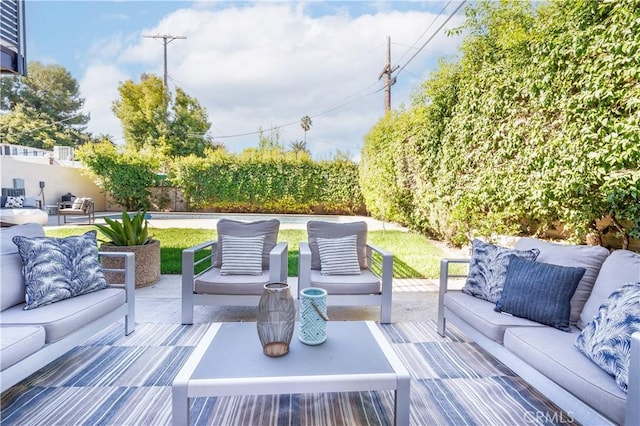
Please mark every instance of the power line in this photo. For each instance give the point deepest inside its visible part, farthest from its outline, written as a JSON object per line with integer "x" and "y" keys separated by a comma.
{"x": 425, "y": 31}
{"x": 432, "y": 36}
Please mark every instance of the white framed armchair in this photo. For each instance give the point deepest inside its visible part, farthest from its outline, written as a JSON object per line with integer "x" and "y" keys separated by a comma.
{"x": 338, "y": 258}
{"x": 235, "y": 267}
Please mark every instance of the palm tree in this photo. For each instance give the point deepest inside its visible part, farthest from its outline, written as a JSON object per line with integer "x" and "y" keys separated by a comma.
{"x": 299, "y": 147}
{"x": 306, "y": 124}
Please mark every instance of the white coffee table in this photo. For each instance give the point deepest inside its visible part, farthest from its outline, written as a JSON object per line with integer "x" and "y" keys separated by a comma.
{"x": 229, "y": 361}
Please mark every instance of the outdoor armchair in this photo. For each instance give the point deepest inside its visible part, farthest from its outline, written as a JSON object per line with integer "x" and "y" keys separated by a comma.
{"x": 79, "y": 207}
{"x": 338, "y": 258}
{"x": 233, "y": 269}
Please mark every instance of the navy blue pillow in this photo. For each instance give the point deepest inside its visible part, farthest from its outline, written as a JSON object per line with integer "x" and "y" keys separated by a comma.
{"x": 540, "y": 292}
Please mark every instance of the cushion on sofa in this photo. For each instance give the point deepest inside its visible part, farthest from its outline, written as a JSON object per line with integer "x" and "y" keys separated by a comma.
{"x": 606, "y": 340}
{"x": 552, "y": 353}
{"x": 66, "y": 316}
{"x": 319, "y": 229}
{"x": 581, "y": 256}
{"x": 236, "y": 228}
{"x": 540, "y": 292}
{"x": 18, "y": 342}
{"x": 30, "y": 201}
{"x": 12, "y": 289}
{"x": 55, "y": 269}
{"x": 488, "y": 269}
{"x": 14, "y": 202}
{"x": 480, "y": 314}
{"x": 621, "y": 267}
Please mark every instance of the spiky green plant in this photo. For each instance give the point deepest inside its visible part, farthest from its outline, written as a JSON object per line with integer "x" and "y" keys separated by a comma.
{"x": 130, "y": 231}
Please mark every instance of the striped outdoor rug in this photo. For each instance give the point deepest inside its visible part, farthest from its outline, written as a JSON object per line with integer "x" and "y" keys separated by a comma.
{"x": 120, "y": 380}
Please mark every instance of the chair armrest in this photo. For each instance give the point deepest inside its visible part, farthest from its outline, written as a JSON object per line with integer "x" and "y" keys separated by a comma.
{"x": 278, "y": 263}
{"x": 304, "y": 266}
{"x": 445, "y": 274}
{"x": 632, "y": 414}
{"x": 129, "y": 285}
{"x": 189, "y": 261}
{"x": 386, "y": 266}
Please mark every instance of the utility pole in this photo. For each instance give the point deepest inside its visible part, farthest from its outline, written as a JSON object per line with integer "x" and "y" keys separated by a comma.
{"x": 166, "y": 39}
{"x": 388, "y": 80}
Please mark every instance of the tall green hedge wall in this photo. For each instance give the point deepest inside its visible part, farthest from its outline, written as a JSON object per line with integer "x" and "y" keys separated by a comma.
{"x": 536, "y": 126}
{"x": 278, "y": 185}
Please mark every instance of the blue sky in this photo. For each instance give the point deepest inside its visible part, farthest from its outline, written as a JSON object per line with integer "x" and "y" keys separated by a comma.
{"x": 250, "y": 64}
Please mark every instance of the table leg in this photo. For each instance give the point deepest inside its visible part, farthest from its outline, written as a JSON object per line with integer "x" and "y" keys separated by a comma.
{"x": 402, "y": 402}
{"x": 179, "y": 406}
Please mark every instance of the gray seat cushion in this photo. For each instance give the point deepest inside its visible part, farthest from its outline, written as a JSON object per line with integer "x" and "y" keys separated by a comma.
{"x": 581, "y": 256}
{"x": 365, "y": 283}
{"x": 322, "y": 229}
{"x": 552, "y": 352}
{"x": 211, "y": 282}
{"x": 19, "y": 342}
{"x": 66, "y": 316}
{"x": 12, "y": 290}
{"x": 621, "y": 267}
{"x": 479, "y": 314}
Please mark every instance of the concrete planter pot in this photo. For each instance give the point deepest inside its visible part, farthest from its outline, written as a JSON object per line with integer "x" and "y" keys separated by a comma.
{"x": 147, "y": 263}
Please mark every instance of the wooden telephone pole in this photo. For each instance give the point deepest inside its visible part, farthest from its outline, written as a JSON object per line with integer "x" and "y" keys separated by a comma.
{"x": 388, "y": 80}
{"x": 166, "y": 39}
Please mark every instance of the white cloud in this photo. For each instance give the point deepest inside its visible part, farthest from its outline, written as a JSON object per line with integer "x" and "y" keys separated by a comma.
{"x": 99, "y": 86}
{"x": 267, "y": 64}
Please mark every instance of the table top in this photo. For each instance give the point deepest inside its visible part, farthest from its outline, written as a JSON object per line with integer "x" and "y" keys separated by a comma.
{"x": 235, "y": 353}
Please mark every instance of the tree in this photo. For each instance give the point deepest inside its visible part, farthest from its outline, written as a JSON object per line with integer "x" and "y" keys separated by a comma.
{"x": 125, "y": 176}
{"x": 306, "y": 124}
{"x": 299, "y": 148}
{"x": 151, "y": 119}
{"x": 44, "y": 108}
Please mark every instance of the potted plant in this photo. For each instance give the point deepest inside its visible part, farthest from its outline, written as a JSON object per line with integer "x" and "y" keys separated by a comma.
{"x": 130, "y": 234}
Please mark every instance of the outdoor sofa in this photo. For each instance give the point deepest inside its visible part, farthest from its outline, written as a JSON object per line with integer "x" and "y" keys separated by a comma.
{"x": 19, "y": 209}
{"x": 32, "y": 338}
{"x": 543, "y": 355}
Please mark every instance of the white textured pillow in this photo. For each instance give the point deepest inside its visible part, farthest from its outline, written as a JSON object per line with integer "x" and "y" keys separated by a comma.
{"x": 339, "y": 256}
{"x": 14, "y": 202}
{"x": 241, "y": 255}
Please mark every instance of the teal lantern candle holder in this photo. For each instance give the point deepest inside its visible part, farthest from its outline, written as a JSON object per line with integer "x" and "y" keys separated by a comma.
{"x": 313, "y": 316}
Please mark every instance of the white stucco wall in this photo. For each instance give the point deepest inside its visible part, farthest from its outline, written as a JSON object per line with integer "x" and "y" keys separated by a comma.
{"x": 58, "y": 179}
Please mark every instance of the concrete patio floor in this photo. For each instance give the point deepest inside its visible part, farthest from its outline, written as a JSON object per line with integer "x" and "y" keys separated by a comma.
{"x": 413, "y": 300}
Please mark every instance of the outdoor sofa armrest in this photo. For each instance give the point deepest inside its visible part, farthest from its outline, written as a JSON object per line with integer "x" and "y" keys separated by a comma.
{"x": 445, "y": 274}
{"x": 632, "y": 415}
{"x": 278, "y": 263}
{"x": 129, "y": 285}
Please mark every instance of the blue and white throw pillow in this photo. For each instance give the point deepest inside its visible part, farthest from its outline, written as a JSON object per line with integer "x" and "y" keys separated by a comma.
{"x": 488, "y": 269}
{"x": 242, "y": 255}
{"x": 55, "y": 269}
{"x": 606, "y": 340}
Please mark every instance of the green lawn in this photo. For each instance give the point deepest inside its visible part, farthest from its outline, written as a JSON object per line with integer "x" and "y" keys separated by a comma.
{"x": 414, "y": 255}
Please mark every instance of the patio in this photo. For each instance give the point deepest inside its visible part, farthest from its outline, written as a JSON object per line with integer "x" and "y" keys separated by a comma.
{"x": 119, "y": 379}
